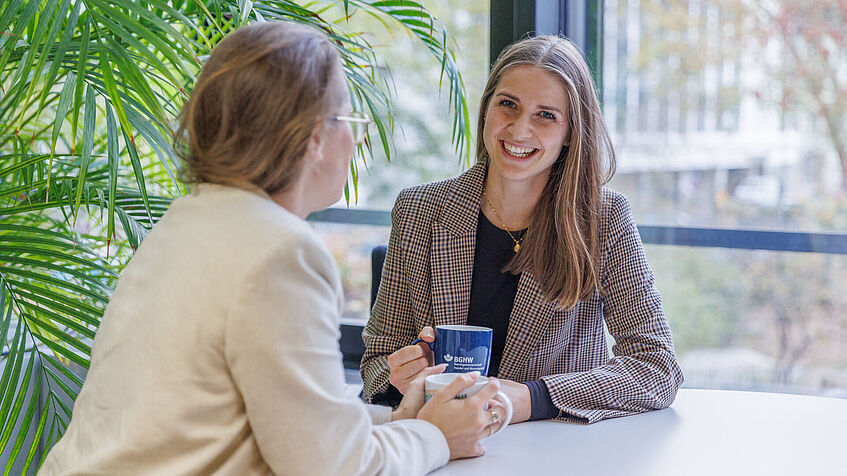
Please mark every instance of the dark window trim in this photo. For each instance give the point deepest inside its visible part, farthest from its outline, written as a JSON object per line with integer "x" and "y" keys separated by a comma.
{"x": 579, "y": 20}
{"x": 787, "y": 241}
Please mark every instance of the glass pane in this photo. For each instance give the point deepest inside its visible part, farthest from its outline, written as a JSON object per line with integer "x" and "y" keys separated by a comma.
{"x": 423, "y": 123}
{"x": 424, "y": 151}
{"x": 756, "y": 320}
{"x": 351, "y": 247}
{"x": 729, "y": 113}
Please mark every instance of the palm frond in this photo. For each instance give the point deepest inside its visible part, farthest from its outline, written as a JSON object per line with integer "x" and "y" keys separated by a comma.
{"x": 52, "y": 294}
{"x": 89, "y": 95}
{"x": 433, "y": 34}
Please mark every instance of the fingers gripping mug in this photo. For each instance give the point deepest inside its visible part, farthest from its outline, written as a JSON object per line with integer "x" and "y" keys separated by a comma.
{"x": 436, "y": 382}
{"x": 462, "y": 348}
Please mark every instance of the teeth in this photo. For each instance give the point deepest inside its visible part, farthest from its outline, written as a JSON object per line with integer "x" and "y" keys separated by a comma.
{"x": 518, "y": 151}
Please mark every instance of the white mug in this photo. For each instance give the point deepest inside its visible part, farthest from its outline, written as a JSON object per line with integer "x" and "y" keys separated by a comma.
{"x": 436, "y": 382}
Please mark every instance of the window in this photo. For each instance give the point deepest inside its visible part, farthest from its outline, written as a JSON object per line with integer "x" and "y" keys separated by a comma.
{"x": 424, "y": 151}
{"x": 728, "y": 119}
{"x": 730, "y": 114}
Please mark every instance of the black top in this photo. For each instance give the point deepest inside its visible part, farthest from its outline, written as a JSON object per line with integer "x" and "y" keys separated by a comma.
{"x": 492, "y": 298}
{"x": 493, "y": 291}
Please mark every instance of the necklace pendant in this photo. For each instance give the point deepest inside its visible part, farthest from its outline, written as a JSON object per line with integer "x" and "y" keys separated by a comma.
{"x": 517, "y": 247}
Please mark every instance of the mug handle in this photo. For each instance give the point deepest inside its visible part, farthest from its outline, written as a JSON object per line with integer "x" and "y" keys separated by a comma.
{"x": 425, "y": 342}
{"x": 508, "y": 418}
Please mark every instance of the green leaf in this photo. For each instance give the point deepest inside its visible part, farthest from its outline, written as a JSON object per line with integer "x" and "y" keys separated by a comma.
{"x": 6, "y": 312}
{"x": 41, "y": 30}
{"x": 30, "y": 411}
{"x": 9, "y": 12}
{"x": 70, "y": 355}
{"x": 165, "y": 48}
{"x": 65, "y": 337}
{"x": 134, "y": 78}
{"x": 62, "y": 257}
{"x": 80, "y": 74}
{"x": 64, "y": 370}
{"x": 157, "y": 141}
{"x": 58, "y": 283}
{"x": 10, "y": 382}
{"x": 28, "y": 161}
{"x": 114, "y": 163}
{"x": 13, "y": 358}
{"x": 61, "y": 49}
{"x": 58, "y": 267}
{"x": 87, "y": 144}
{"x": 20, "y": 23}
{"x": 36, "y": 440}
{"x": 66, "y": 321}
{"x": 139, "y": 173}
{"x": 62, "y": 110}
{"x": 56, "y": 301}
{"x": 246, "y": 8}
{"x": 162, "y": 28}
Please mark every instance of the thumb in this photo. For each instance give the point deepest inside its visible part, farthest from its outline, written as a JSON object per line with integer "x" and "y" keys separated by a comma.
{"x": 427, "y": 334}
{"x": 459, "y": 384}
{"x": 420, "y": 380}
{"x": 431, "y": 371}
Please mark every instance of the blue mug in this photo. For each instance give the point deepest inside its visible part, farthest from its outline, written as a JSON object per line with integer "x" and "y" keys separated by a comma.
{"x": 462, "y": 348}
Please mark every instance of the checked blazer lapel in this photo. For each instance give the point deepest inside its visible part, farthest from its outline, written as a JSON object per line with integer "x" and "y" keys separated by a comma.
{"x": 530, "y": 317}
{"x": 452, "y": 270}
{"x": 453, "y": 243}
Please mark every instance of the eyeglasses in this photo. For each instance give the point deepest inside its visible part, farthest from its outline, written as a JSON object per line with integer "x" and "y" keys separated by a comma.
{"x": 359, "y": 123}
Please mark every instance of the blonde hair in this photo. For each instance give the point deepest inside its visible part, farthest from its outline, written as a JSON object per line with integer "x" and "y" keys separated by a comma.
{"x": 255, "y": 105}
{"x": 562, "y": 244}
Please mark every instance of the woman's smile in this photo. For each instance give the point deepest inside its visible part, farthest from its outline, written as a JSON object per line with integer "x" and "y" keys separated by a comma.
{"x": 526, "y": 125}
{"x": 516, "y": 151}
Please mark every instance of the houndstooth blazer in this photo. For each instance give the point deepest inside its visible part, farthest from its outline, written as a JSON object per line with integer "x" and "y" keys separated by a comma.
{"x": 426, "y": 281}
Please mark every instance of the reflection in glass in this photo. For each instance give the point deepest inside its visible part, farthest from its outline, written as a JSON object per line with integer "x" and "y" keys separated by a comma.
{"x": 729, "y": 113}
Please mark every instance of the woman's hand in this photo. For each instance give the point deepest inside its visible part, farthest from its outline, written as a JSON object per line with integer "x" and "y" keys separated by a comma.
{"x": 466, "y": 422}
{"x": 408, "y": 362}
{"x": 413, "y": 400}
{"x": 518, "y": 393}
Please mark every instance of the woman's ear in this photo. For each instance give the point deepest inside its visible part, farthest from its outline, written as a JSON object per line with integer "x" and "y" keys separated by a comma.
{"x": 315, "y": 147}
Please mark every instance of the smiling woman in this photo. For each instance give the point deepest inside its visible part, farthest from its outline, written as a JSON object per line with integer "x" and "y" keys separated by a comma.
{"x": 525, "y": 133}
{"x": 531, "y": 244}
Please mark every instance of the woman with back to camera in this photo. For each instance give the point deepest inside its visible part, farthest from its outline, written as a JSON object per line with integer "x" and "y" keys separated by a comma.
{"x": 218, "y": 352}
{"x": 530, "y": 243}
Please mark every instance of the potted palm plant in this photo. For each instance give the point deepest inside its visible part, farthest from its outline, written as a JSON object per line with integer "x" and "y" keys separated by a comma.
{"x": 88, "y": 95}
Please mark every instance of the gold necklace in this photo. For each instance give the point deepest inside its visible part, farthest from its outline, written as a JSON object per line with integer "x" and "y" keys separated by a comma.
{"x": 517, "y": 242}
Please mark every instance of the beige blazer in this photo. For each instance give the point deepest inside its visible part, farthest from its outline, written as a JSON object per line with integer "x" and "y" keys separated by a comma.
{"x": 426, "y": 280}
{"x": 218, "y": 354}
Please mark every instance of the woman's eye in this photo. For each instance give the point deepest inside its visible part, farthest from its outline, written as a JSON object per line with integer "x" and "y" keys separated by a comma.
{"x": 547, "y": 115}
{"x": 507, "y": 103}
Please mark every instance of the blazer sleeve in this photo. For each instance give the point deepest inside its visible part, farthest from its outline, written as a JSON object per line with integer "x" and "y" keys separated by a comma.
{"x": 282, "y": 350}
{"x": 643, "y": 373}
{"x": 392, "y": 323}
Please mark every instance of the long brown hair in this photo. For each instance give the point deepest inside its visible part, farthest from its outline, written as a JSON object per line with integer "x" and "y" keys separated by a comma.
{"x": 255, "y": 105}
{"x": 562, "y": 245}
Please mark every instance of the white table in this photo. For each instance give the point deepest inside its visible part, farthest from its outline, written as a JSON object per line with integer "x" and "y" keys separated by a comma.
{"x": 709, "y": 432}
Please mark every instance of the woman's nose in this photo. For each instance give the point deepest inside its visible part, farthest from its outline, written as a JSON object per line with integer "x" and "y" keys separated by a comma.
{"x": 521, "y": 127}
